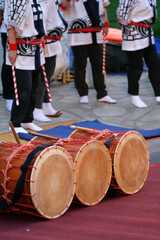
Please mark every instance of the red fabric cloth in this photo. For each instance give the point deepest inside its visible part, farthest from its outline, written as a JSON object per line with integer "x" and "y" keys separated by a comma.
{"x": 117, "y": 217}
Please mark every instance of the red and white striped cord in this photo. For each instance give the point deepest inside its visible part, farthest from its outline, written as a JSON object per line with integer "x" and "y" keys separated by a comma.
{"x": 46, "y": 82}
{"x": 104, "y": 55}
{"x": 15, "y": 85}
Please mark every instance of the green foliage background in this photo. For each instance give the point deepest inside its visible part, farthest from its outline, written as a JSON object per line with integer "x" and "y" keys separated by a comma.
{"x": 111, "y": 11}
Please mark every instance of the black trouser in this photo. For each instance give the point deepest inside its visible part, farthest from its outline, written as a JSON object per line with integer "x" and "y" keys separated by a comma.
{"x": 95, "y": 54}
{"x": 27, "y": 82}
{"x": 6, "y": 73}
{"x": 152, "y": 60}
{"x": 42, "y": 94}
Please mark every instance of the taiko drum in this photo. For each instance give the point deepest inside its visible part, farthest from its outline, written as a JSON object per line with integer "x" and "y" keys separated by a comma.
{"x": 49, "y": 184}
{"x": 129, "y": 153}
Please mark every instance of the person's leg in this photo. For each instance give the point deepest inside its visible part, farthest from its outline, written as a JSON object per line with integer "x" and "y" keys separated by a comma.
{"x": 24, "y": 87}
{"x": 42, "y": 95}
{"x": 80, "y": 54}
{"x": 7, "y": 82}
{"x": 96, "y": 59}
{"x": 35, "y": 78}
{"x": 41, "y": 89}
{"x": 42, "y": 99}
{"x": 49, "y": 67}
{"x": 152, "y": 60}
{"x": 6, "y": 76}
{"x": 48, "y": 110}
{"x": 135, "y": 68}
{"x": 42, "y": 92}
{"x": 28, "y": 118}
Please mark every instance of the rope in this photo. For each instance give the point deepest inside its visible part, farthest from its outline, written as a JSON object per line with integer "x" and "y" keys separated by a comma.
{"x": 87, "y": 29}
{"x": 31, "y": 42}
{"x": 140, "y": 24}
{"x": 18, "y": 192}
{"x": 53, "y": 37}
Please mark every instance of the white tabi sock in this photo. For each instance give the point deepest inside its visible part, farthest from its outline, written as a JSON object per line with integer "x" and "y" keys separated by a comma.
{"x": 135, "y": 100}
{"x": 38, "y": 115}
{"x": 31, "y": 126}
{"x": 107, "y": 99}
{"x": 9, "y": 103}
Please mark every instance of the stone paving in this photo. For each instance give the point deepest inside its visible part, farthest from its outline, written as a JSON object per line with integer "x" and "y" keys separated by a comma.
{"x": 123, "y": 113}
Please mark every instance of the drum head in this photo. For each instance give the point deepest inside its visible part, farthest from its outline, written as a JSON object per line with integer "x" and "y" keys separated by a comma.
{"x": 93, "y": 172}
{"x": 131, "y": 162}
{"x": 52, "y": 182}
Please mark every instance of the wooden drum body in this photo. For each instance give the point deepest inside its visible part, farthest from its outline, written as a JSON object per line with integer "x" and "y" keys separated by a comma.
{"x": 49, "y": 184}
{"x": 130, "y": 158}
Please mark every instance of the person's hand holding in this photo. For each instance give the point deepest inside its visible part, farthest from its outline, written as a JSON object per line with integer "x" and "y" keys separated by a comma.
{"x": 105, "y": 31}
{"x": 12, "y": 56}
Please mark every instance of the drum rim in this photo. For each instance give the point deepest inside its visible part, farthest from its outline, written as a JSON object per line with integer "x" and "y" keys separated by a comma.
{"x": 33, "y": 174}
{"x": 72, "y": 133}
{"x": 30, "y": 141}
{"x": 116, "y": 157}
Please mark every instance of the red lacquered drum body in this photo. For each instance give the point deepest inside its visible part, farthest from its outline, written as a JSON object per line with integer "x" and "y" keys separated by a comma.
{"x": 49, "y": 184}
{"x": 130, "y": 157}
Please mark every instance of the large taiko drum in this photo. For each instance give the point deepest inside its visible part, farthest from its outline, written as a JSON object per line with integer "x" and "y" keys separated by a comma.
{"x": 92, "y": 168}
{"x": 49, "y": 184}
{"x": 129, "y": 153}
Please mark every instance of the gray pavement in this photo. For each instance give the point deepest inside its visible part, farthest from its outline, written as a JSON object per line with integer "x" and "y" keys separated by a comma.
{"x": 123, "y": 113}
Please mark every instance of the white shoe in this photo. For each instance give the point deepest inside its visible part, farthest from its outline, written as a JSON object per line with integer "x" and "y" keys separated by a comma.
{"x": 107, "y": 99}
{"x": 84, "y": 99}
{"x": 158, "y": 99}
{"x": 49, "y": 111}
{"x": 31, "y": 126}
{"x": 9, "y": 103}
{"x": 38, "y": 115}
{"x": 18, "y": 130}
{"x": 135, "y": 100}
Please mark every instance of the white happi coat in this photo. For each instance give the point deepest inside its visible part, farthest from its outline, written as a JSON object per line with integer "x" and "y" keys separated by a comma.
{"x": 20, "y": 14}
{"x": 2, "y": 27}
{"x": 54, "y": 26}
{"x": 135, "y": 37}
{"x": 76, "y": 16}
{"x": 2, "y": 4}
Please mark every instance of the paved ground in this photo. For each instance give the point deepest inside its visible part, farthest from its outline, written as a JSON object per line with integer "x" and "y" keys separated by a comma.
{"x": 122, "y": 114}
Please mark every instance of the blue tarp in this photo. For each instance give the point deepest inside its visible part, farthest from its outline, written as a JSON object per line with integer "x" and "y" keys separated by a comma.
{"x": 64, "y": 131}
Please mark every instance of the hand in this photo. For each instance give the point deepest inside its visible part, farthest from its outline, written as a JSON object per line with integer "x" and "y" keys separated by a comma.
{"x": 105, "y": 30}
{"x": 12, "y": 56}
